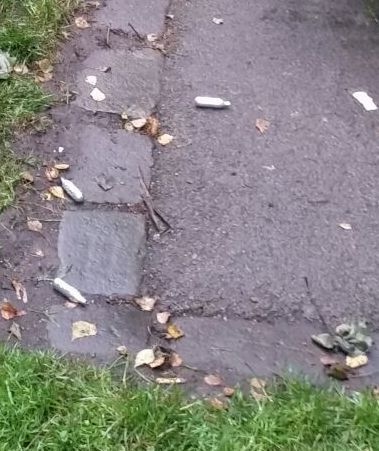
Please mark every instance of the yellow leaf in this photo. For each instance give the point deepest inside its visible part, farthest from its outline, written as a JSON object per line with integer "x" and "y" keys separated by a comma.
{"x": 82, "y": 329}
{"x": 174, "y": 331}
{"x": 356, "y": 361}
{"x": 57, "y": 191}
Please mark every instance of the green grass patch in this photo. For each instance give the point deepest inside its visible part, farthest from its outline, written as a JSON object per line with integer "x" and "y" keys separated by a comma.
{"x": 51, "y": 404}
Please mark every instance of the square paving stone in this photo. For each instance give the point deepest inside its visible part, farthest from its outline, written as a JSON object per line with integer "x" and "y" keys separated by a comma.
{"x": 102, "y": 251}
{"x": 146, "y": 16}
{"x": 107, "y": 163}
{"x": 132, "y": 84}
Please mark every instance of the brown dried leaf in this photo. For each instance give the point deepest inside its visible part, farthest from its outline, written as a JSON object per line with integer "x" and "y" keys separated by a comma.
{"x": 45, "y": 66}
{"x": 218, "y": 404}
{"x": 81, "y": 329}
{"x": 20, "y": 290}
{"x": 213, "y": 380}
{"x": 152, "y": 126}
{"x": 175, "y": 360}
{"x": 163, "y": 317}
{"x": 61, "y": 166}
{"x": 146, "y": 303}
{"x": 165, "y": 139}
{"x": 258, "y": 389}
{"x": 8, "y": 312}
{"x": 339, "y": 371}
{"x": 356, "y": 361}
{"x": 34, "y": 225}
{"x": 170, "y": 380}
{"x": 15, "y": 330}
{"x": 144, "y": 357}
{"x": 158, "y": 361}
{"x": 27, "y": 177}
{"x": 262, "y": 125}
{"x": 82, "y": 23}
{"x": 51, "y": 173}
{"x": 57, "y": 191}
{"x": 228, "y": 392}
{"x": 174, "y": 331}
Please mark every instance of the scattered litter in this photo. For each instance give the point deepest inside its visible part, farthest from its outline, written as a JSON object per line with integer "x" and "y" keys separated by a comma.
{"x": 218, "y": 20}
{"x": 146, "y": 303}
{"x": 97, "y": 95}
{"x": 27, "y": 177}
{"x": 71, "y": 293}
{"x": 262, "y": 125}
{"x": 34, "y": 225}
{"x": 165, "y": 139}
{"x": 105, "y": 183}
{"x": 175, "y": 359}
{"x": 60, "y": 149}
{"x": 163, "y": 317}
{"x": 124, "y": 115}
{"x": 82, "y": 23}
{"x": 20, "y": 69}
{"x": 345, "y": 226}
{"x": 44, "y": 77}
{"x": 8, "y": 312}
{"x": 139, "y": 123}
{"x": 81, "y": 329}
{"x": 351, "y": 339}
{"x": 122, "y": 350}
{"x": 356, "y": 361}
{"x": 365, "y": 100}
{"x": 45, "y": 66}
{"x": 228, "y": 392}
{"x": 218, "y": 404}
{"x": 128, "y": 127}
{"x": 211, "y": 102}
{"x": 15, "y": 330}
{"x": 170, "y": 380}
{"x": 20, "y": 291}
{"x": 213, "y": 380}
{"x": 339, "y": 371}
{"x": 269, "y": 168}
{"x": 72, "y": 190}
{"x": 70, "y": 305}
{"x": 57, "y": 191}
{"x": 144, "y": 357}
{"x": 258, "y": 389}
{"x": 170, "y": 16}
{"x": 6, "y": 65}
{"x": 174, "y": 331}
{"x": 158, "y": 361}
{"x": 91, "y": 80}
{"x": 151, "y": 37}
{"x": 51, "y": 173}
{"x": 62, "y": 166}
{"x": 152, "y": 126}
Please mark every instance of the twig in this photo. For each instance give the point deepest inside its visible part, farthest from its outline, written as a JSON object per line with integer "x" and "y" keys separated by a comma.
{"x": 136, "y": 32}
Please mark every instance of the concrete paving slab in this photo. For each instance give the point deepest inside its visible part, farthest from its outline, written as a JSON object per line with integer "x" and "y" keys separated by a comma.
{"x": 132, "y": 84}
{"x": 146, "y": 16}
{"x": 107, "y": 163}
{"x": 102, "y": 250}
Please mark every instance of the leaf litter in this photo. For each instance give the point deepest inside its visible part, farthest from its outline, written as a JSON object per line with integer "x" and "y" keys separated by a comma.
{"x": 34, "y": 225}
{"x": 82, "y": 23}
{"x": 213, "y": 380}
{"x": 258, "y": 389}
{"x": 51, "y": 173}
{"x": 152, "y": 126}
{"x": 15, "y": 330}
{"x": 144, "y": 357}
{"x": 262, "y": 125}
{"x": 163, "y": 317}
{"x": 57, "y": 191}
{"x": 174, "y": 332}
{"x": 81, "y": 329}
{"x": 20, "y": 290}
{"x": 165, "y": 139}
{"x": 8, "y": 311}
{"x": 170, "y": 380}
{"x": 146, "y": 303}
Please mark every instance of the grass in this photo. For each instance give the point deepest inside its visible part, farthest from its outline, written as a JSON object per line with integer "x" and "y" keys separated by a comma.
{"x": 51, "y": 404}
{"x": 29, "y": 30}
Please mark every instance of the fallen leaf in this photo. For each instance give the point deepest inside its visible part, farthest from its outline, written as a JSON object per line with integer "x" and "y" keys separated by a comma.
{"x": 262, "y": 125}
{"x": 213, "y": 380}
{"x": 82, "y": 23}
{"x": 165, "y": 139}
{"x": 43, "y": 78}
{"x": 8, "y": 312}
{"x": 258, "y": 384}
{"x": 228, "y": 392}
{"x": 218, "y": 404}
{"x": 34, "y": 225}
{"x": 20, "y": 291}
{"x": 324, "y": 340}
{"x": 124, "y": 115}
{"x": 345, "y": 226}
{"x": 61, "y": 166}
{"x": 27, "y": 177}
{"x": 128, "y": 127}
{"x": 15, "y": 330}
{"x": 122, "y": 350}
{"x": 151, "y": 37}
{"x": 328, "y": 360}
{"x": 339, "y": 371}
{"x": 163, "y": 317}
{"x": 218, "y": 20}
{"x": 105, "y": 69}
{"x": 170, "y": 380}
{"x": 138, "y": 123}
{"x": 70, "y": 305}
{"x": 146, "y": 303}
{"x": 152, "y": 126}
{"x": 356, "y": 361}
{"x": 97, "y": 95}
{"x": 158, "y": 361}
{"x": 81, "y": 329}
{"x": 20, "y": 69}
{"x": 57, "y": 191}
{"x": 174, "y": 331}
{"x": 258, "y": 389}
{"x": 91, "y": 80}
{"x": 144, "y": 357}
{"x": 38, "y": 253}
{"x": 175, "y": 360}
{"x": 45, "y": 66}
{"x": 51, "y": 173}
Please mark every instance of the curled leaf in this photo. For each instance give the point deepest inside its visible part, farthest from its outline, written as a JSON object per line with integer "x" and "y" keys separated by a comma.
{"x": 20, "y": 291}
{"x": 158, "y": 361}
{"x": 258, "y": 389}
{"x": 218, "y": 404}
{"x": 27, "y": 177}
{"x": 144, "y": 357}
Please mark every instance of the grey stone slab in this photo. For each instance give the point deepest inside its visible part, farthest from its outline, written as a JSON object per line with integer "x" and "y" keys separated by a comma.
{"x": 110, "y": 159}
{"x": 102, "y": 251}
{"x": 132, "y": 84}
{"x": 146, "y": 16}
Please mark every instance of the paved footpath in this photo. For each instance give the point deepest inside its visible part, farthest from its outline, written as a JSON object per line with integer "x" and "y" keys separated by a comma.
{"x": 254, "y": 216}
